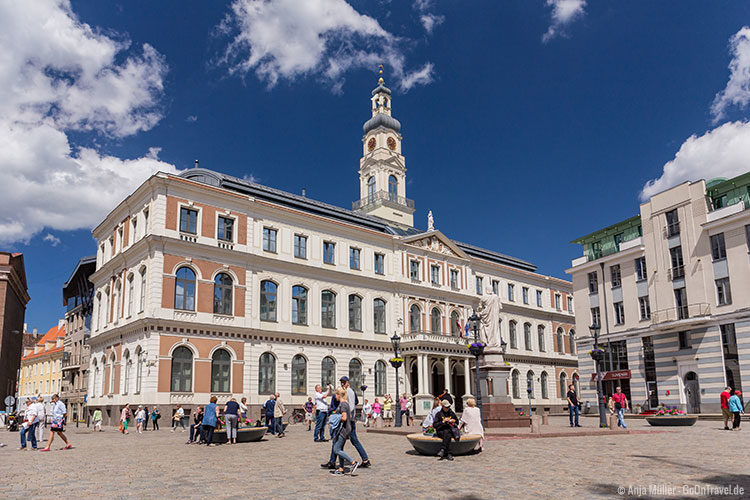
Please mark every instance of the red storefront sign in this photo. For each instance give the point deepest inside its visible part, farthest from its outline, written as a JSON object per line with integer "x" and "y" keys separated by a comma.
{"x": 615, "y": 375}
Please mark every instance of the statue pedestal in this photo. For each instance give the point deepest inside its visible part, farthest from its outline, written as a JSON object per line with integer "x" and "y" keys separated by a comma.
{"x": 422, "y": 404}
{"x": 497, "y": 408}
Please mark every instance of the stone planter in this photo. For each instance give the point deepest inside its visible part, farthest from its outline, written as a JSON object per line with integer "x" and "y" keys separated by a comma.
{"x": 672, "y": 420}
{"x": 427, "y": 445}
{"x": 396, "y": 364}
{"x": 244, "y": 435}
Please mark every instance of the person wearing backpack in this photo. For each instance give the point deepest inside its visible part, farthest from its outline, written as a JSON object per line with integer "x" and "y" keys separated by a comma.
{"x": 342, "y": 422}
{"x": 352, "y": 401}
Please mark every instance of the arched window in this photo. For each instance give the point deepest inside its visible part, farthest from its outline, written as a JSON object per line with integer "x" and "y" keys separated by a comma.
{"x": 527, "y": 336}
{"x": 131, "y": 293}
{"x": 572, "y": 341}
{"x": 138, "y": 369}
{"x": 327, "y": 372}
{"x": 455, "y": 324}
{"x": 540, "y": 335}
{"x": 126, "y": 372}
{"x": 392, "y": 188}
{"x": 516, "y": 384}
{"x": 118, "y": 300}
{"x": 328, "y": 309}
{"x": 355, "y": 313}
{"x": 107, "y": 308}
{"x": 95, "y": 381}
{"x": 299, "y": 305}
{"x": 512, "y": 332}
{"x": 299, "y": 375}
{"x": 182, "y": 370}
{"x": 221, "y": 369}
{"x": 559, "y": 337}
{"x": 267, "y": 374}
{"x": 563, "y": 386}
{"x": 112, "y": 374}
{"x": 415, "y": 318}
{"x": 530, "y": 384}
{"x": 99, "y": 313}
{"x": 268, "y": 300}
{"x": 378, "y": 313}
{"x": 184, "y": 289}
{"x": 436, "y": 320}
{"x": 104, "y": 376}
{"x": 545, "y": 394}
{"x": 371, "y": 189}
{"x": 142, "y": 304}
{"x": 576, "y": 383}
{"x": 223, "y": 294}
{"x": 380, "y": 380}
{"x": 355, "y": 377}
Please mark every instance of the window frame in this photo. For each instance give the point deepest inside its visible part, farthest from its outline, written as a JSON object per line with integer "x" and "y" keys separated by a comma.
{"x": 379, "y": 263}
{"x": 187, "y": 369}
{"x": 615, "y": 273}
{"x": 355, "y": 258}
{"x": 185, "y": 295}
{"x": 619, "y": 310}
{"x": 644, "y": 307}
{"x": 329, "y": 252}
{"x": 414, "y": 270}
{"x": 299, "y": 375}
{"x": 219, "y": 378}
{"x": 264, "y": 298}
{"x": 226, "y": 295}
{"x": 641, "y": 270}
{"x": 511, "y": 292}
{"x": 718, "y": 247}
{"x": 185, "y": 210}
{"x": 723, "y": 291}
{"x": 300, "y": 305}
{"x": 270, "y": 369}
{"x": 435, "y": 274}
{"x": 436, "y": 321}
{"x": 328, "y": 309}
{"x": 355, "y": 315}
{"x": 300, "y": 246}
{"x": 219, "y": 228}
{"x": 375, "y": 313}
{"x": 270, "y": 239}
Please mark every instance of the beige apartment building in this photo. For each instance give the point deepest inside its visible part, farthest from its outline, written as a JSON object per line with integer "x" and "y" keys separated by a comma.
{"x": 41, "y": 366}
{"x": 671, "y": 290}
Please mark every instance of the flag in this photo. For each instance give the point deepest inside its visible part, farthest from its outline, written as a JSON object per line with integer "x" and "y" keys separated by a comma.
{"x": 466, "y": 329}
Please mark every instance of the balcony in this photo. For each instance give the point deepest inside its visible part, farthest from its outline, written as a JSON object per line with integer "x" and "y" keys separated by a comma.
{"x": 672, "y": 229}
{"x": 430, "y": 337}
{"x": 676, "y": 273}
{"x": 680, "y": 313}
{"x": 383, "y": 198}
{"x": 720, "y": 213}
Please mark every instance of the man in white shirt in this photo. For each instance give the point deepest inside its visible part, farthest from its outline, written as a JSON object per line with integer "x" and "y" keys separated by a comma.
{"x": 321, "y": 412}
{"x": 41, "y": 416}
{"x": 28, "y": 428}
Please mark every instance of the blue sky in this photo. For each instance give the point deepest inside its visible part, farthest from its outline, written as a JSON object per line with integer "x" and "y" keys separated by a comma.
{"x": 517, "y": 141}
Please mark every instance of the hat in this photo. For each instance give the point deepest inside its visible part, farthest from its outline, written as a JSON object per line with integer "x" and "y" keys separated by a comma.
{"x": 140, "y": 406}
{"x": 344, "y": 379}
{"x": 738, "y": 393}
{"x": 445, "y": 403}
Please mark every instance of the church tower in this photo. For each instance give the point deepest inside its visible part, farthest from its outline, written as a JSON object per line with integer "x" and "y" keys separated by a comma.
{"x": 382, "y": 168}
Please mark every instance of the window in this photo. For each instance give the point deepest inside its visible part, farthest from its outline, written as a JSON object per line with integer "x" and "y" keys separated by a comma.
{"x": 435, "y": 275}
{"x": 300, "y": 246}
{"x": 511, "y": 289}
{"x": 540, "y": 337}
{"x": 619, "y": 313}
{"x": 223, "y": 294}
{"x": 118, "y": 300}
{"x": 645, "y": 307}
{"x": 415, "y": 318}
{"x": 454, "y": 279}
{"x": 673, "y": 223}
{"x": 126, "y": 375}
{"x": 355, "y": 376}
{"x": 269, "y": 239}
{"x": 392, "y": 188}
{"x": 188, "y": 220}
{"x": 145, "y": 222}
{"x": 455, "y": 324}
{"x": 496, "y": 287}
{"x": 329, "y": 250}
{"x": 479, "y": 285}
{"x": 527, "y": 336}
{"x": 184, "y": 289}
{"x": 558, "y": 304}
{"x": 414, "y": 270}
{"x": 596, "y": 318}
{"x": 525, "y": 295}
{"x": 678, "y": 268}
{"x": 640, "y": 269}
{"x": 131, "y": 293}
{"x": 328, "y": 309}
{"x": 354, "y": 258}
{"x": 512, "y": 332}
{"x": 572, "y": 338}
{"x": 134, "y": 229}
{"x": 530, "y": 384}
{"x": 680, "y": 299}
{"x": 221, "y": 367}
{"x": 436, "y": 320}
{"x": 723, "y": 292}
{"x": 371, "y": 189}
{"x": 327, "y": 372}
{"x": 379, "y": 263}
{"x": 138, "y": 370}
{"x": 299, "y": 305}
{"x": 267, "y": 374}
{"x": 593, "y": 282}
{"x": 111, "y": 374}
{"x": 268, "y": 300}
{"x": 299, "y": 375}
{"x": 182, "y": 370}
{"x": 378, "y": 312}
{"x": 225, "y": 231}
{"x": 515, "y": 383}
{"x": 539, "y": 298}
{"x": 355, "y": 313}
{"x": 380, "y": 378}
{"x": 563, "y": 386}
{"x": 618, "y": 240}
{"x": 684, "y": 340}
{"x": 718, "y": 248}
{"x": 543, "y": 381}
{"x": 142, "y": 305}
{"x": 559, "y": 338}
{"x": 616, "y": 275}
{"x": 570, "y": 304}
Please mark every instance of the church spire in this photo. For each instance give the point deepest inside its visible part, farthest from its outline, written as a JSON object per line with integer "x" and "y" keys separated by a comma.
{"x": 381, "y": 82}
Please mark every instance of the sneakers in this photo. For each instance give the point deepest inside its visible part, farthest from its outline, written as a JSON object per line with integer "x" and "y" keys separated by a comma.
{"x": 578, "y": 425}
{"x": 441, "y": 454}
{"x": 353, "y": 468}
{"x": 366, "y": 464}
{"x": 328, "y": 465}
{"x": 337, "y": 472}
{"x": 449, "y": 457}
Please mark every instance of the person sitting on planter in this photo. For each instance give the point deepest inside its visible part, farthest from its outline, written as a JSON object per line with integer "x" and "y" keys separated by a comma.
{"x": 429, "y": 420}
{"x": 445, "y": 428}
{"x": 195, "y": 427}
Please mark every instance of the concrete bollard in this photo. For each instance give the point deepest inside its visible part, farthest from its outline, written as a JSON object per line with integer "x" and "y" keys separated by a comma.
{"x": 612, "y": 421}
{"x": 545, "y": 419}
{"x": 536, "y": 421}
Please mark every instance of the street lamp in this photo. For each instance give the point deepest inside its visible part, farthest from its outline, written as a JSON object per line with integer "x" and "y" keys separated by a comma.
{"x": 476, "y": 348}
{"x": 597, "y": 355}
{"x": 396, "y": 362}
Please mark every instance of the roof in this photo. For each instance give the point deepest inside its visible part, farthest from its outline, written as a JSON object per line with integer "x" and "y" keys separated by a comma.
{"x": 609, "y": 230}
{"x": 84, "y": 268}
{"x": 716, "y": 189}
{"x": 381, "y": 120}
{"x": 52, "y": 335}
{"x": 496, "y": 257}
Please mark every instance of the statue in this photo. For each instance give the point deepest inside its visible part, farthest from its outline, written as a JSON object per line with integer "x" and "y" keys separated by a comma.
{"x": 430, "y": 222}
{"x": 489, "y": 314}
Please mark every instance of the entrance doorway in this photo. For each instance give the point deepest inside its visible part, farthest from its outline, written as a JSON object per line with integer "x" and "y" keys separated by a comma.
{"x": 692, "y": 393}
{"x": 413, "y": 380}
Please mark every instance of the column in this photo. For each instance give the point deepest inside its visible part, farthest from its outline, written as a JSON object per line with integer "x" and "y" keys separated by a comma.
{"x": 467, "y": 377}
{"x": 447, "y": 370}
{"x": 426, "y": 372}
{"x": 420, "y": 372}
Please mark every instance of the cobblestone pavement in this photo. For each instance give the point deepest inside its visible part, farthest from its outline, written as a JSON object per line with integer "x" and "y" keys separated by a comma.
{"x": 159, "y": 465}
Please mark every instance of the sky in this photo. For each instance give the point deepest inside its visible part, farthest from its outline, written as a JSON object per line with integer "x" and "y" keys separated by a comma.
{"x": 525, "y": 123}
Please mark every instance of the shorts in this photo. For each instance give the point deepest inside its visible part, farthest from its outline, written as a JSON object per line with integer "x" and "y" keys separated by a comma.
{"x": 726, "y": 413}
{"x": 308, "y": 416}
{"x": 376, "y": 416}
{"x": 387, "y": 414}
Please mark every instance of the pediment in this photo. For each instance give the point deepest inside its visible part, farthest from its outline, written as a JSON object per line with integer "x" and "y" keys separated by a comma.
{"x": 435, "y": 241}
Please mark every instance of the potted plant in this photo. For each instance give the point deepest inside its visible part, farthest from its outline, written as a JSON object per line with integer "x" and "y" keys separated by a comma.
{"x": 671, "y": 416}
{"x": 596, "y": 354}
{"x": 397, "y": 362}
{"x": 476, "y": 348}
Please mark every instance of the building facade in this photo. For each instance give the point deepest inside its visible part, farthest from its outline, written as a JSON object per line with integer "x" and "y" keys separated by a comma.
{"x": 669, "y": 288}
{"x": 13, "y": 299}
{"x": 41, "y": 366}
{"x": 206, "y": 284}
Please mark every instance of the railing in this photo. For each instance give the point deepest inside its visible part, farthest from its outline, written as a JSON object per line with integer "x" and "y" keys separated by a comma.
{"x": 672, "y": 229}
{"x": 681, "y": 312}
{"x": 676, "y": 273}
{"x": 442, "y": 338}
{"x": 382, "y": 197}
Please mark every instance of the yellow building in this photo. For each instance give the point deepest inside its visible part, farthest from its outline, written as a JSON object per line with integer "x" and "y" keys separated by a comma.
{"x": 41, "y": 366}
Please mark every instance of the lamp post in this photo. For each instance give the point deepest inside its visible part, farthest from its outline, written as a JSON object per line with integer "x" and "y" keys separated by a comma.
{"x": 476, "y": 349}
{"x": 396, "y": 362}
{"x": 529, "y": 389}
{"x": 597, "y": 355}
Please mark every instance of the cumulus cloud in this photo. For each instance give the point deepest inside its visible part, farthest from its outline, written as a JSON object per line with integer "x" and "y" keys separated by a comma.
{"x": 429, "y": 21}
{"x": 564, "y": 12}
{"x": 737, "y": 91}
{"x": 191, "y": 119}
{"x": 288, "y": 39}
{"x": 51, "y": 239}
{"x": 59, "y": 75}
{"x": 720, "y": 152}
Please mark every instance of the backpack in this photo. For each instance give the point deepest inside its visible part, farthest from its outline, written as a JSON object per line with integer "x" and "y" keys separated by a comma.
{"x": 334, "y": 422}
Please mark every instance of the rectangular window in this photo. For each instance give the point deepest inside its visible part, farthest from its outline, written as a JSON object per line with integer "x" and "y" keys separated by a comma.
{"x": 723, "y": 292}
{"x": 354, "y": 258}
{"x": 329, "y": 252}
{"x": 143, "y": 291}
{"x": 539, "y": 298}
{"x": 525, "y": 295}
{"x": 414, "y": 270}
{"x": 619, "y": 313}
{"x": 645, "y": 307}
{"x": 225, "y": 231}
{"x": 134, "y": 229}
{"x": 678, "y": 265}
{"x": 511, "y": 292}
{"x": 640, "y": 269}
{"x": 131, "y": 293}
{"x": 454, "y": 279}
{"x": 188, "y": 220}
{"x": 435, "y": 275}
{"x": 593, "y": 282}
{"x": 718, "y": 248}
{"x": 673, "y": 223}
{"x": 558, "y": 299}
{"x": 479, "y": 285}
{"x": 269, "y": 239}
{"x": 684, "y": 339}
{"x": 570, "y": 304}
{"x": 145, "y": 222}
{"x": 618, "y": 240}
{"x": 680, "y": 299}
{"x": 496, "y": 287}
{"x": 616, "y": 275}
{"x": 300, "y": 246}
{"x": 379, "y": 263}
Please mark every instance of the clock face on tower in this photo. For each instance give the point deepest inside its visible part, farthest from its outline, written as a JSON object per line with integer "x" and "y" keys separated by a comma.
{"x": 371, "y": 144}
{"x": 391, "y": 143}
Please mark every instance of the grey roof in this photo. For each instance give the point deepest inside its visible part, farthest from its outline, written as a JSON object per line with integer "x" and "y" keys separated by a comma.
{"x": 381, "y": 120}
{"x": 381, "y": 88}
{"x": 499, "y": 258}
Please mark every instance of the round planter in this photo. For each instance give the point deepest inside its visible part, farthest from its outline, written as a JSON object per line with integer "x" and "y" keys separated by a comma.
{"x": 396, "y": 364}
{"x": 476, "y": 350}
{"x": 597, "y": 355}
{"x": 427, "y": 445}
{"x": 672, "y": 420}
{"x": 244, "y": 435}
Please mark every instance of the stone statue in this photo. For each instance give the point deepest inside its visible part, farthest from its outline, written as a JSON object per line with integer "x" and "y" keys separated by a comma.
{"x": 430, "y": 222}
{"x": 489, "y": 314}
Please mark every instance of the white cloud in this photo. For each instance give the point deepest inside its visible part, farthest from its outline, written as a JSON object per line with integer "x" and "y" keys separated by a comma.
{"x": 51, "y": 239}
{"x": 191, "y": 119}
{"x": 429, "y": 21}
{"x": 564, "y": 12}
{"x": 288, "y": 39}
{"x": 720, "y": 152}
{"x": 59, "y": 75}
{"x": 737, "y": 91}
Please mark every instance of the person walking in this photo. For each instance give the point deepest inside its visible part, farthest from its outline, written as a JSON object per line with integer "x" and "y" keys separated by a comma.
{"x": 735, "y": 406}
{"x": 243, "y": 408}
{"x": 140, "y": 416}
{"x": 309, "y": 407}
{"x": 268, "y": 408}
{"x": 59, "y": 413}
{"x": 28, "y": 428}
{"x": 724, "y": 398}
{"x": 177, "y": 418}
{"x": 573, "y": 405}
{"x": 402, "y": 407}
{"x": 195, "y": 427}
{"x": 471, "y": 421}
{"x": 352, "y": 399}
{"x": 341, "y": 433}
{"x": 366, "y": 412}
{"x": 278, "y": 416}
{"x": 231, "y": 416}
{"x": 124, "y": 417}
{"x": 321, "y": 413}
{"x": 155, "y": 416}
{"x": 146, "y": 417}
{"x": 97, "y": 418}
{"x": 618, "y": 403}
{"x": 41, "y": 418}
{"x": 387, "y": 410}
{"x": 210, "y": 419}
{"x": 445, "y": 422}
{"x": 376, "y": 408}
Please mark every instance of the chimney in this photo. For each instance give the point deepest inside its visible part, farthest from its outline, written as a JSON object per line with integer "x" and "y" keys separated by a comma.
{"x": 304, "y": 192}
{"x": 196, "y": 163}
